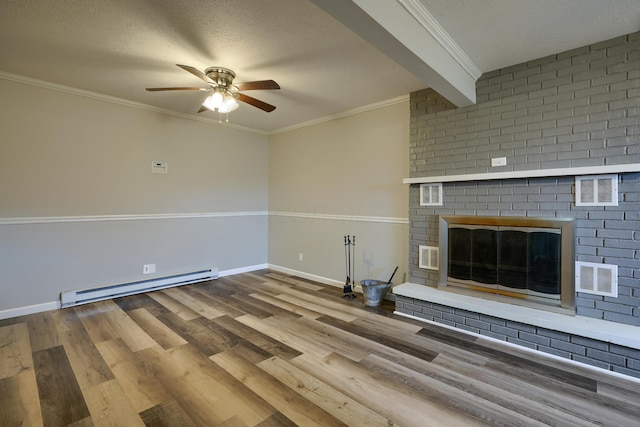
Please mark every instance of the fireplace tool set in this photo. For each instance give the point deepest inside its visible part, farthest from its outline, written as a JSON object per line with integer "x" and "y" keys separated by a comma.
{"x": 373, "y": 290}
{"x": 349, "y": 253}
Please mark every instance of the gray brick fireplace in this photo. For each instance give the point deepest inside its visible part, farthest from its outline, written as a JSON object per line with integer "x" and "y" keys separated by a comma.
{"x": 562, "y": 116}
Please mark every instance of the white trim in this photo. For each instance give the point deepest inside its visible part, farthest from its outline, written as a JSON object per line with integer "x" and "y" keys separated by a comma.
{"x": 120, "y": 101}
{"x": 522, "y": 348}
{"x": 30, "y": 309}
{"x": 419, "y": 12}
{"x": 112, "y": 99}
{"x": 102, "y": 218}
{"x": 336, "y": 217}
{"x": 308, "y": 276}
{"x": 602, "y": 330}
{"x": 364, "y": 108}
{"x": 537, "y": 173}
{"x": 247, "y": 269}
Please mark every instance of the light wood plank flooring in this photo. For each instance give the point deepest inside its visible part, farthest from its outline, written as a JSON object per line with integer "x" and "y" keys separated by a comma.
{"x": 265, "y": 349}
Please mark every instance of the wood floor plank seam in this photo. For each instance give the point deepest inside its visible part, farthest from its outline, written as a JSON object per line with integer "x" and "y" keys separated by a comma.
{"x": 291, "y": 404}
{"x": 265, "y": 349}
{"x": 61, "y": 399}
{"x": 314, "y": 389}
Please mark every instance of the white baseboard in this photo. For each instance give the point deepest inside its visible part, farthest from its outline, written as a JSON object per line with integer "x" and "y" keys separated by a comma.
{"x": 308, "y": 276}
{"x": 320, "y": 279}
{"x": 54, "y": 305}
{"x": 247, "y": 269}
{"x": 30, "y": 309}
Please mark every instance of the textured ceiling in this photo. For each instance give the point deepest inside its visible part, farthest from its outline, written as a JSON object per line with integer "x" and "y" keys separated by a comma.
{"x": 499, "y": 33}
{"x": 119, "y": 47}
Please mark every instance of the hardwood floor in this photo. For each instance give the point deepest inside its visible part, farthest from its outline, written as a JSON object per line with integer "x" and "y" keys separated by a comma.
{"x": 264, "y": 349}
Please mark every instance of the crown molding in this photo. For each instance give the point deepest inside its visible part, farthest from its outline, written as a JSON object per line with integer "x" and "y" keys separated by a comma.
{"x": 114, "y": 100}
{"x": 369, "y": 107}
{"x": 420, "y": 13}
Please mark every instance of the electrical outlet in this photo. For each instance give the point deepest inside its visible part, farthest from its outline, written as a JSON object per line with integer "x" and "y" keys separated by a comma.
{"x": 148, "y": 268}
{"x": 498, "y": 161}
{"x": 300, "y": 257}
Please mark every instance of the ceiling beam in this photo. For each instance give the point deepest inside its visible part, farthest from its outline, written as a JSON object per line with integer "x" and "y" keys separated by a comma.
{"x": 406, "y": 32}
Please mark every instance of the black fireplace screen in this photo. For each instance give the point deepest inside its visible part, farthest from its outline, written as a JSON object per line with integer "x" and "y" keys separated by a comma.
{"x": 520, "y": 260}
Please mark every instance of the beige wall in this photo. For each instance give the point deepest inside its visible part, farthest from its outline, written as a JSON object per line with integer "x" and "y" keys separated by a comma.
{"x": 64, "y": 155}
{"x": 337, "y": 178}
{"x": 80, "y": 208}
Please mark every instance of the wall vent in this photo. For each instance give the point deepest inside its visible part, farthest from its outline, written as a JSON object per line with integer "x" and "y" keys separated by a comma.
{"x": 598, "y": 279}
{"x": 601, "y": 190}
{"x": 84, "y": 296}
{"x": 429, "y": 257}
{"x": 431, "y": 194}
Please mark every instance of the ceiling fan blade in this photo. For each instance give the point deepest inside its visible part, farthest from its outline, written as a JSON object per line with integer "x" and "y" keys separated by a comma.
{"x": 256, "y": 103}
{"x": 199, "y": 74}
{"x": 157, "y": 89}
{"x": 258, "y": 85}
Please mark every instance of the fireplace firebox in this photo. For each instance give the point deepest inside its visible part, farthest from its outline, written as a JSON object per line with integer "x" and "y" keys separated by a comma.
{"x": 527, "y": 259}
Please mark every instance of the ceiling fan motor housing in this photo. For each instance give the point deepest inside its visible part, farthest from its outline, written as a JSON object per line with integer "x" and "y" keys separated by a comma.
{"x": 222, "y": 76}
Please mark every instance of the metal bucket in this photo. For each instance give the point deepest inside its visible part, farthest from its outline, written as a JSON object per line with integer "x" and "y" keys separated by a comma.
{"x": 374, "y": 291}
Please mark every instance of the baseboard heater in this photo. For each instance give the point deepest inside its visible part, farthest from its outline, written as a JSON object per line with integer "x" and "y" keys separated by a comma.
{"x": 71, "y": 298}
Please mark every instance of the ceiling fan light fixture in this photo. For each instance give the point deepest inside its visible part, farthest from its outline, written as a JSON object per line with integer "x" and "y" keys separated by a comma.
{"x": 214, "y": 101}
{"x": 221, "y": 102}
{"x": 230, "y": 102}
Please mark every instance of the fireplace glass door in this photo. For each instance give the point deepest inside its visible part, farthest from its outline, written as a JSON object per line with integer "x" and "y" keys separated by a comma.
{"x": 525, "y": 260}
{"x": 517, "y": 260}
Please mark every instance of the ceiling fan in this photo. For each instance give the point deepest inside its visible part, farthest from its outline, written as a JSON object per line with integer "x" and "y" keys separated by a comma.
{"x": 225, "y": 93}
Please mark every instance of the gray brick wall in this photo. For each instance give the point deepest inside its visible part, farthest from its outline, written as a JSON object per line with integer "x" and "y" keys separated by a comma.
{"x": 573, "y": 109}
{"x": 604, "y": 234}
{"x": 604, "y": 355}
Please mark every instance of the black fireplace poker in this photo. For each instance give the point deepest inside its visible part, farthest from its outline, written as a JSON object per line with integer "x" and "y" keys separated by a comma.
{"x": 349, "y": 253}
{"x": 392, "y": 274}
